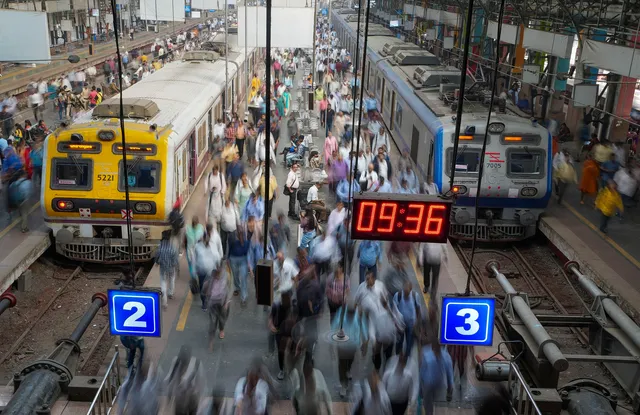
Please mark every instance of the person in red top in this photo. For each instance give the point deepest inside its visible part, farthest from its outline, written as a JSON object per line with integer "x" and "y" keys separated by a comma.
{"x": 93, "y": 97}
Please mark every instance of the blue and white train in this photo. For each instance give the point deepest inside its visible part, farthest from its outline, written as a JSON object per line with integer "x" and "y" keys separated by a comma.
{"x": 412, "y": 88}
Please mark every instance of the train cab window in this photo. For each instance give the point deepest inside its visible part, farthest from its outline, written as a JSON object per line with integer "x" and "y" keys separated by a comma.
{"x": 72, "y": 174}
{"x": 142, "y": 176}
{"x": 526, "y": 163}
{"x": 467, "y": 161}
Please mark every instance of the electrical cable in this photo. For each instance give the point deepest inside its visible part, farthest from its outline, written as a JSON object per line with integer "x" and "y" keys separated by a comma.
{"x": 463, "y": 83}
{"x": 467, "y": 290}
{"x": 355, "y": 137}
{"x": 127, "y": 202}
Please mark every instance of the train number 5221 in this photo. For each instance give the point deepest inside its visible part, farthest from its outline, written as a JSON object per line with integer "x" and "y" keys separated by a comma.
{"x": 106, "y": 177}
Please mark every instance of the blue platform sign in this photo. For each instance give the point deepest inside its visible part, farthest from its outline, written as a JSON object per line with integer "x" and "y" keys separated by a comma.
{"x": 324, "y": 12}
{"x": 134, "y": 313}
{"x": 467, "y": 321}
{"x": 187, "y": 8}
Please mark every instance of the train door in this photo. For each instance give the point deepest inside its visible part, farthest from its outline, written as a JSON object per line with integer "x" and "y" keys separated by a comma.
{"x": 193, "y": 159}
{"x": 384, "y": 82}
{"x": 430, "y": 165}
{"x": 415, "y": 143}
{"x": 210, "y": 135}
{"x": 393, "y": 110}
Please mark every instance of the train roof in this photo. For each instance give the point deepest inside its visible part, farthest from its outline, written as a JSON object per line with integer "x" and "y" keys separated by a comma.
{"x": 430, "y": 96}
{"x": 179, "y": 89}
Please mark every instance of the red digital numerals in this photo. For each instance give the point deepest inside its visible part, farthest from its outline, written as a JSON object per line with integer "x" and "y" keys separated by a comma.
{"x": 383, "y": 218}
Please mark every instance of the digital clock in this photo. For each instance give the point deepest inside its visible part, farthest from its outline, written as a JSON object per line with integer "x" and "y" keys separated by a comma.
{"x": 397, "y": 217}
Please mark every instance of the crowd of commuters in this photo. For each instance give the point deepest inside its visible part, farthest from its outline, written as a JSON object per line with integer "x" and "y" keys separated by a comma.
{"x": 382, "y": 315}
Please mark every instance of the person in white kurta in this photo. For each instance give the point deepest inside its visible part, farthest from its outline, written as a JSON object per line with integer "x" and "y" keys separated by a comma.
{"x": 215, "y": 190}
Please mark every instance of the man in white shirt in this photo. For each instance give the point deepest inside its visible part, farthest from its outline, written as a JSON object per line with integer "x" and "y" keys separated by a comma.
{"x": 284, "y": 274}
{"x": 292, "y": 184}
{"x": 401, "y": 382}
{"x": 312, "y": 195}
{"x": 430, "y": 187}
{"x": 430, "y": 256}
{"x": 382, "y": 139}
{"x": 336, "y": 218}
{"x": 369, "y": 179}
{"x": 370, "y": 293}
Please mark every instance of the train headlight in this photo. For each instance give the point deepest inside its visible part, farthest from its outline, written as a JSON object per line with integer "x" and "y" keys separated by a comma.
{"x": 64, "y": 205}
{"x": 142, "y": 207}
{"x": 528, "y": 191}
{"x": 459, "y": 189}
{"x": 496, "y": 127}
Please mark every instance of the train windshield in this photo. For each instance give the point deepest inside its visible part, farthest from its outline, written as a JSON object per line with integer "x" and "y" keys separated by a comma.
{"x": 71, "y": 174}
{"x": 467, "y": 161}
{"x": 525, "y": 163}
{"x": 142, "y": 176}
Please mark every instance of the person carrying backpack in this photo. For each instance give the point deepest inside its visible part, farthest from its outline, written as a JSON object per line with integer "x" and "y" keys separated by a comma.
{"x": 218, "y": 300}
{"x": 408, "y": 304}
{"x": 436, "y": 368}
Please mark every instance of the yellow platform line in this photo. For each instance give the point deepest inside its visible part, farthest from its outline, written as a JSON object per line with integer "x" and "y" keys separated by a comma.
{"x": 184, "y": 313}
{"x": 610, "y": 241}
{"x": 17, "y": 221}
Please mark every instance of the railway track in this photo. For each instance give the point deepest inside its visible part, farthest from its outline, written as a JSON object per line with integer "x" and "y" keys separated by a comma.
{"x": 534, "y": 270}
{"x": 50, "y": 310}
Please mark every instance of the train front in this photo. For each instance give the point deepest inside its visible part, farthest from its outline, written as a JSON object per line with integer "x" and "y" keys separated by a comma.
{"x": 83, "y": 190}
{"x": 516, "y": 181}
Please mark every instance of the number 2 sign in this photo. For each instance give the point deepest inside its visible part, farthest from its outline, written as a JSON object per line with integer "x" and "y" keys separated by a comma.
{"x": 467, "y": 321}
{"x": 134, "y": 313}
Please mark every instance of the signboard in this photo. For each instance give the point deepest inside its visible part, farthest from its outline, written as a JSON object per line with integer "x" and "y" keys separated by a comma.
{"x": 467, "y": 321}
{"x": 324, "y": 12}
{"x": 187, "y": 8}
{"x": 134, "y": 313}
{"x": 395, "y": 217}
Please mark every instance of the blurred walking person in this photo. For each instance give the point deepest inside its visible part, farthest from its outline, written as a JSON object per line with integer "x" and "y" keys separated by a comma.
{"x": 346, "y": 351}
{"x": 337, "y": 290}
{"x": 167, "y": 260}
{"x": 215, "y": 189}
{"x": 310, "y": 391}
{"x": 589, "y": 179}
{"x": 408, "y": 305}
{"x": 252, "y": 391}
{"x": 401, "y": 383}
{"x": 608, "y": 203}
{"x": 281, "y": 326}
{"x": 208, "y": 254}
{"x": 194, "y": 233}
{"x": 430, "y": 256}
{"x": 436, "y": 370}
{"x": 217, "y": 292}
{"x": 383, "y": 327}
{"x": 371, "y": 398}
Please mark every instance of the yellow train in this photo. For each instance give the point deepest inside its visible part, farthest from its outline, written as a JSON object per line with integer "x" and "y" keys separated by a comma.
{"x": 168, "y": 130}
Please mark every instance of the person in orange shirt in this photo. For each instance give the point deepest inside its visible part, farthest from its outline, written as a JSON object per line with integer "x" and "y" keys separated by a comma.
{"x": 589, "y": 179}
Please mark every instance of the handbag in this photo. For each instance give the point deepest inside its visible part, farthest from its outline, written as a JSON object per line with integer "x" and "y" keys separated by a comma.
{"x": 286, "y": 191}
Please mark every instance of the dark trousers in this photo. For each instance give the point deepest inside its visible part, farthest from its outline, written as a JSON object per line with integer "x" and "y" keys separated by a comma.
{"x": 365, "y": 268}
{"x": 561, "y": 187}
{"x": 224, "y": 237}
{"x": 399, "y": 408}
{"x": 379, "y": 350}
{"x": 240, "y": 144}
{"x": 431, "y": 274}
{"x": 281, "y": 344}
{"x": 604, "y": 220}
{"x": 132, "y": 347}
{"x": 269, "y": 207}
{"x": 217, "y": 318}
{"x": 407, "y": 339}
{"x": 292, "y": 202}
{"x": 202, "y": 277}
{"x": 333, "y": 308}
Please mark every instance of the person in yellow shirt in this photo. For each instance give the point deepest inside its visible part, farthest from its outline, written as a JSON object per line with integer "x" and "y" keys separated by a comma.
{"x": 144, "y": 58}
{"x": 229, "y": 152}
{"x": 255, "y": 82}
{"x": 608, "y": 203}
{"x": 157, "y": 65}
{"x": 273, "y": 192}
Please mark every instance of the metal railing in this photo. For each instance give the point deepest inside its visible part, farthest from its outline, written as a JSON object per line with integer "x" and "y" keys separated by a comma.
{"x": 522, "y": 401}
{"x": 105, "y": 399}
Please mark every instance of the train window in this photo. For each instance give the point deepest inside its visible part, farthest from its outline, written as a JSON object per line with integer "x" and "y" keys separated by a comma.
{"x": 525, "y": 162}
{"x": 142, "y": 176}
{"x": 387, "y": 97}
{"x": 71, "y": 173}
{"x": 398, "y": 116}
{"x": 467, "y": 161}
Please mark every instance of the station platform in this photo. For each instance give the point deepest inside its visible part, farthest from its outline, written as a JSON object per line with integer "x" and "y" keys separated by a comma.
{"x": 184, "y": 323}
{"x": 611, "y": 259}
{"x": 14, "y": 80}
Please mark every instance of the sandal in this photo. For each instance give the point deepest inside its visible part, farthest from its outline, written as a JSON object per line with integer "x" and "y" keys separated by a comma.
{"x": 221, "y": 335}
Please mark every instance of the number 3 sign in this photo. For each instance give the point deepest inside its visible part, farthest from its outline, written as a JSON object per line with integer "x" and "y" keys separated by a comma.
{"x": 467, "y": 321}
{"x": 134, "y": 313}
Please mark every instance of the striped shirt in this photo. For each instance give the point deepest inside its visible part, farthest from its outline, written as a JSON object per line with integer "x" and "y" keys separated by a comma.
{"x": 335, "y": 289}
{"x": 166, "y": 257}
